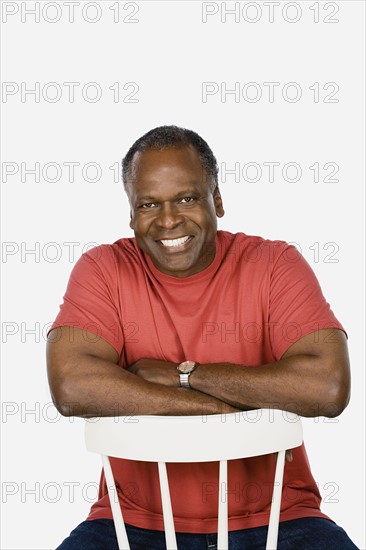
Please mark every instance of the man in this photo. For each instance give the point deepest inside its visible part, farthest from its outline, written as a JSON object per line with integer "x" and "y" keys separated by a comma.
{"x": 249, "y": 316}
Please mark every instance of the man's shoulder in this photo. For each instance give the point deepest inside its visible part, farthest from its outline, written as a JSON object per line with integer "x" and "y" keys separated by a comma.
{"x": 104, "y": 256}
{"x": 248, "y": 239}
{"x": 251, "y": 247}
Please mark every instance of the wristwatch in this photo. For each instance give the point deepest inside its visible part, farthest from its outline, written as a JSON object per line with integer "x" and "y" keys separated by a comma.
{"x": 185, "y": 369}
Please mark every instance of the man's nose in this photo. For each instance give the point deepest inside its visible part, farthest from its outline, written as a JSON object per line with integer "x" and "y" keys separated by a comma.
{"x": 169, "y": 215}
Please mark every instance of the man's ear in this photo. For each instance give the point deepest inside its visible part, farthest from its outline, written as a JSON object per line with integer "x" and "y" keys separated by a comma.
{"x": 132, "y": 225}
{"x": 218, "y": 203}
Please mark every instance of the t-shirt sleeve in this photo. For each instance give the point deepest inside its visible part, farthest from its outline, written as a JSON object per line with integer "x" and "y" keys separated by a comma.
{"x": 91, "y": 299}
{"x": 297, "y": 306}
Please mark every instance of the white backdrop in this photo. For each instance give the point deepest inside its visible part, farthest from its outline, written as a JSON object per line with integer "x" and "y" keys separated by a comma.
{"x": 276, "y": 88}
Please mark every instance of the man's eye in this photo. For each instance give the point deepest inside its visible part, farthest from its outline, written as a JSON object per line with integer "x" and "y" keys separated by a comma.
{"x": 147, "y": 205}
{"x": 187, "y": 200}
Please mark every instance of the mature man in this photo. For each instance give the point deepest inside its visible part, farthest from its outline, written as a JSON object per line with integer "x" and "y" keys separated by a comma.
{"x": 249, "y": 316}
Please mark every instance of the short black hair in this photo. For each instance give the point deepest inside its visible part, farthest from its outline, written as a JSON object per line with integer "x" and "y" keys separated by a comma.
{"x": 166, "y": 137}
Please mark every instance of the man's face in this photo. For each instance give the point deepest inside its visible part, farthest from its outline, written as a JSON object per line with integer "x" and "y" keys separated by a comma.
{"x": 173, "y": 210}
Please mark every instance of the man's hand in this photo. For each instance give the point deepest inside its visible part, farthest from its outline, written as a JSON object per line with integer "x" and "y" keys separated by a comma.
{"x": 157, "y": 371}
{"x": 289, "y": 457}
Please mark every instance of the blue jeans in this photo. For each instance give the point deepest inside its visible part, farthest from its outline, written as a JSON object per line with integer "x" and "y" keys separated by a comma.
{"x": 297, "y": 534}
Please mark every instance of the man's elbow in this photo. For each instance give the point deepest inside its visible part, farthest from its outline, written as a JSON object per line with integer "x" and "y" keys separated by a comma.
{"x": 67, "y": 394}
{"x": 64, "y": 403}
{"x": 72, "y": 399}
{"x": 64, "y": 409}
{"x": 338, "y": 397}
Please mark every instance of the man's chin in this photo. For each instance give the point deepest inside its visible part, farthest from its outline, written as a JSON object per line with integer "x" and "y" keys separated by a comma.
{"x": 180, "y": 263}
{"x": 180, "y": 267}
{"x": 174, "y": 267}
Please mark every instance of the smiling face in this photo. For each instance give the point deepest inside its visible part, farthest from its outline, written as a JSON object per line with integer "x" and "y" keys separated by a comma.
{"x": 173, "y": 210}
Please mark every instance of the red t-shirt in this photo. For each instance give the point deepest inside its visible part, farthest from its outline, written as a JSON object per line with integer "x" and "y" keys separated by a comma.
{"x": 247, "y": 307}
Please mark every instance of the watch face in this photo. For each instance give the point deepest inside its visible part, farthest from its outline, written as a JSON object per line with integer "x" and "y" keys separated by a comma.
{"x": 186, "y": 366}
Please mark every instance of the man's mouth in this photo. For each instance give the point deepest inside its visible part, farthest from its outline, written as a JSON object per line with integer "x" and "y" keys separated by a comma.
{"x": 174, "y": 242}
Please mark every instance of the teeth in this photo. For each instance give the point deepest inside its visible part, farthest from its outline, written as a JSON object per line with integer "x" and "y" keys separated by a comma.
{"x": 175, "y": 242}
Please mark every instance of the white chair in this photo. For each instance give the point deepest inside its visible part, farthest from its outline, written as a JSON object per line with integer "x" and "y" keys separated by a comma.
{"x": 164, "y": 439}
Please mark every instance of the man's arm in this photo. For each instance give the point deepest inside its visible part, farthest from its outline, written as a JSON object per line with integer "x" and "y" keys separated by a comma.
{"x": 86, "y": 381}
{"x": 311, "y": 379}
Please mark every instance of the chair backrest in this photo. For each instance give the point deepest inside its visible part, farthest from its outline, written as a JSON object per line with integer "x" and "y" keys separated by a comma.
{"x": 164, "y": 439}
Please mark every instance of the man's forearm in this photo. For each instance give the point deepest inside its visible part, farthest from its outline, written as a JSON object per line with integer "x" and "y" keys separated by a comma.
{"x": 276, "y": 385}
{"x": 311, "y": 379}
{"x": 95, "y": 387}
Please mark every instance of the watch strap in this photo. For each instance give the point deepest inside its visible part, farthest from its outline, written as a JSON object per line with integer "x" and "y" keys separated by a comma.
{"x": 184, "y": 382}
